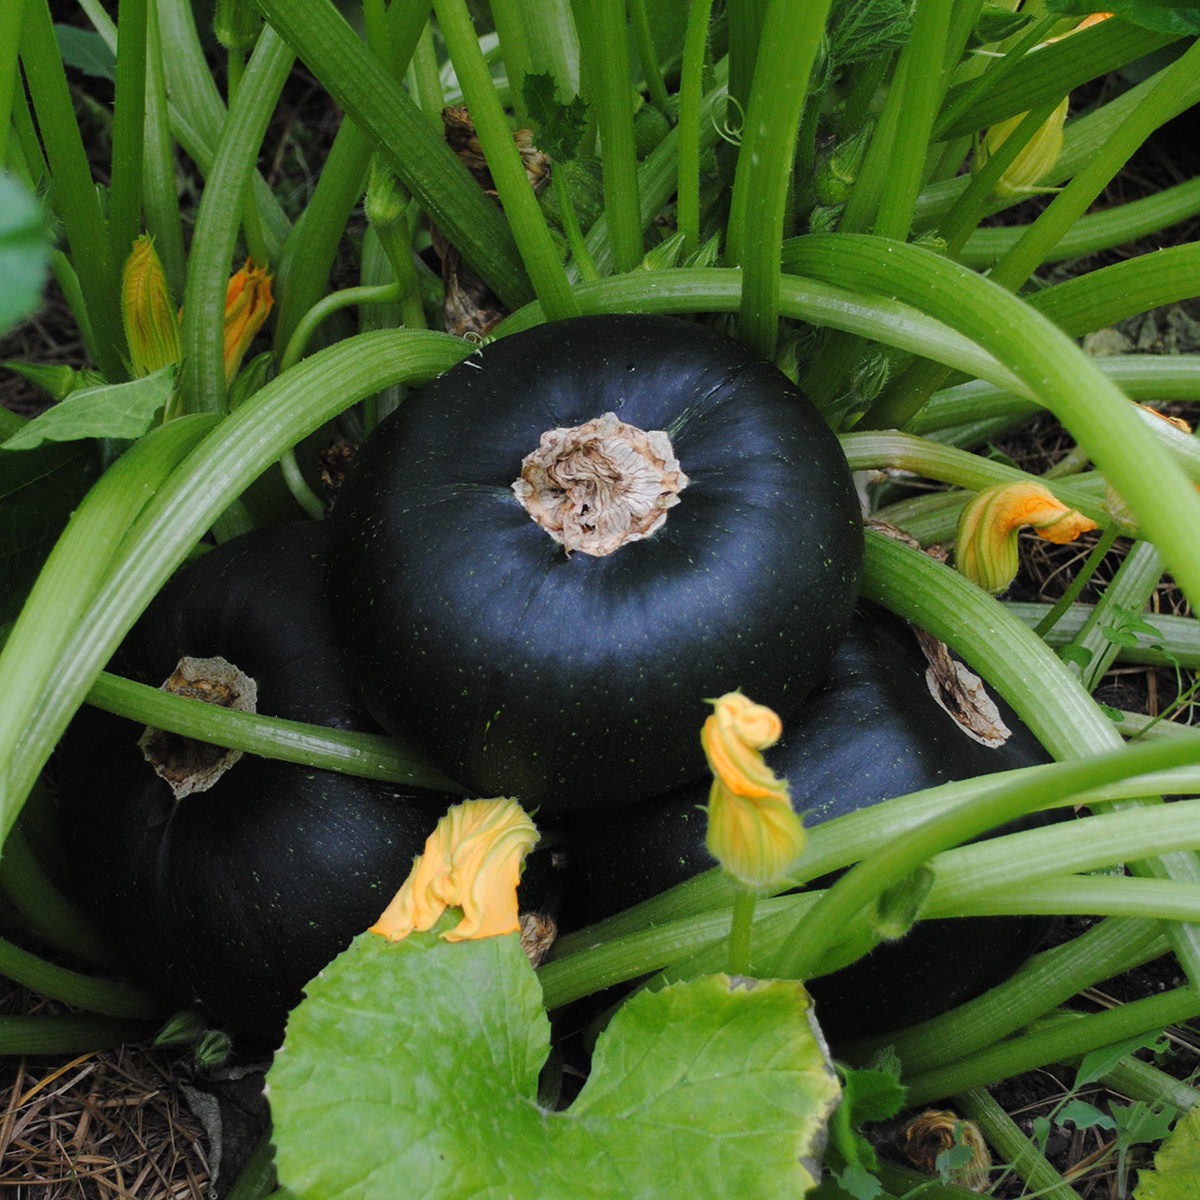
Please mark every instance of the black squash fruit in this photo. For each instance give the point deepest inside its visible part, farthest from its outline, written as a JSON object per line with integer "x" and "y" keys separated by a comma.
{"x": 233, "y": 897}
{"x": 869, "y": 731}
{"x": 545, "y": 560}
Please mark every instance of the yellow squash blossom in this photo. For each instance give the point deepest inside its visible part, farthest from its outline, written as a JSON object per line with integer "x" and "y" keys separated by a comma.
{"x": 986, "y": 550}
{"x": 151, "y": 319}
{"x": 248, "y": 302}
{"x": 472, "y": 861}
{"x": 752, "y": 830}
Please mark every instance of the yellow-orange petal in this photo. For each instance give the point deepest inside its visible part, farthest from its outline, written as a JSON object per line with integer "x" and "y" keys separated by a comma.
{"x": 986, "y": 548}
{"x": 732, "y": 739}
{"x": 1034, "y": 160}
{"x": 471, "y": 861}
{"x": 248, "y": 303}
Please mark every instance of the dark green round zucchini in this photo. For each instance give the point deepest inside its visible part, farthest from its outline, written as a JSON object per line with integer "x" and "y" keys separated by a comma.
{"x": 868, "y": 732}
{"x": 232, "y": 898}
{"x": 547, "y": 559}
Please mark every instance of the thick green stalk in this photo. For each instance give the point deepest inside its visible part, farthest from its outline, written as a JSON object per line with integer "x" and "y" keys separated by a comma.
{"x": 70, "y": 1034}
{"x": 643, "y": 40}
{"x": 690, "y": 95}
{"x": 925, "y": 57}
{"x": 613, "y": 101}
{"x": 160, "y": 196}
{"x": 791, "y": 35}
{"x": 1073, "y": 201}
{"x": 424, "y": 70}
{"x": 1060, "y": 1041}
{"x": 129, "y": 118}
{"x": 76, "y": 202}
{"x": 746, "y": 19}
{"x": 423, "y": 162}
{"x": 103, "y": 996}
{"x": 371, "y": 756}
{"x": 202, "y": 379}
{"x": 1096, "y": 231}
{"x": 1179, "y": 637}
{"x": 1005, "y": 1137}
{"x": 1071, "y": 386}
{"x": 553, "y": 41}
{"x": 240, "y": 449}
{"x": 504, "y": 161}
{"x": 510, "y": 26}
{"x": 1048, "y": 979}
{"x": 11, "y": 15}
{"x": 309, "y": 252}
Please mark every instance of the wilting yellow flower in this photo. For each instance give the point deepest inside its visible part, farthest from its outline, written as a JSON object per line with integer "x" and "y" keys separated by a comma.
{"x": 986, "y": 550}
{"x": 151, "y": 320}
{"x": 1035, "y": 159}
{"x": 472, "y": 861}
{"x": 248, "y": 302}
{"x": 752, "y": 830}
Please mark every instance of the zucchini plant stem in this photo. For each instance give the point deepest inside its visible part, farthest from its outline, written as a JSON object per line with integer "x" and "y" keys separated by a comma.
{"x": 160, "y": 196}
{"x": 128, "y": 139}
{"x": 10, "y": 39}
{"x": 520, "y": 204}
{"x": 69, "y": 1034}
{"x": 514, "y": 46}
{"x": 1077, "y": 584}
{"x": 218, "y": 219}
{"x": 690, "y": 94}
{"x": 643, "y": 40}
{"x": 791, "y": 36}
{"x": 740, "y": 931}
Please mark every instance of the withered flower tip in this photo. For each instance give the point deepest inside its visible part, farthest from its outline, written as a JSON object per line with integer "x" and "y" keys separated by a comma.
{"x": 472, "y": 861}
{"x": 752, "y": 830}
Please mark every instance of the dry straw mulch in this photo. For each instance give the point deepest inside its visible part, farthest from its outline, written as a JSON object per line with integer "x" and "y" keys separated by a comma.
{"x": 103, "y": 1126}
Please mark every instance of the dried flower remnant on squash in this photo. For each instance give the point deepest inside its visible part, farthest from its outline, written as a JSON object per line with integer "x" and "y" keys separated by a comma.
{"x": 186, "y": 764}
{"x": 600, "y": 484}
{"x": 752, "y": 831}
{"x": 472, "y": 861}
{"x": 151, "y": 318}
{"x": 986, "y": 549}
{"x": 248, "y": 303}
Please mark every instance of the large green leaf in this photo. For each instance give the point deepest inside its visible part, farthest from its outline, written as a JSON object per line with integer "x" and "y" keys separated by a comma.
{"x": 23, "y": 252}
{"x": 412, "y": 1069}
{"x": 1165, "y": 16}
{"x": 113, "y": 410}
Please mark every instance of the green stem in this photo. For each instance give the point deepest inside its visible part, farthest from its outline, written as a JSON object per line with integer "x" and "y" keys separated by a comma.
{"x": 76, "y": 201}
{"x": 429, "y": 81}
{"x": 387, "y": 293}
{"x": 1056, "y": 1043}
{"x": 690, "y": 94}
{"x": 791, "y": 35}
{"x": 370, "y": 756}
{"x": 1094, "y": 559}
{"x": 570, "y": 223}
{"x": 740, "y": 931}
{"x": 613, "y": 102}
{"x": 129, "y": 115}
{"x": 160, "y": 195}
{"x": 11, "y": 16}
{"x": 1005, "y": 1137}
{"x": 202, "y": 378}
{"x": 62, "y": 1035}
{"x": 643, "y": 40}
{"x": 510, "y": 26}
{"x": 924, "y": 57}
{"x": 504, "y": 161}
{"x": 53, "y": 919}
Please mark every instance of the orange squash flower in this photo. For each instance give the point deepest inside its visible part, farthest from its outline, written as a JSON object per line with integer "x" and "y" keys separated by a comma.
{"x": 248, "y": 302}
{"x": 151, "y": 320}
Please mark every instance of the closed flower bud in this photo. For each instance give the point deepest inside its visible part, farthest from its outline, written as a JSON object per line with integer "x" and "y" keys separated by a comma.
{"x": 151, "y": 319}
{"x": 248, "y": 302}
{"x": 1034, "y": 161}
{"x": 752, "y": 831}
{"x": 986, "y": 550}
{"x": 472, "y": 861}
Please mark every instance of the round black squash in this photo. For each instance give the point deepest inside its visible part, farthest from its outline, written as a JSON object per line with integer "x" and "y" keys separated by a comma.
{"x": 232, "y": 898}
{"x": 869, "y": 731}
{"x": 569, "y": 669}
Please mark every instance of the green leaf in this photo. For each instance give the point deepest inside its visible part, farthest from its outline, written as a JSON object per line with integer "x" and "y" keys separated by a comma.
{"x": 1163, "y": 16}
{"x": 86, "y": 51}
{"x": 1084, "y": 1116}
{"x": 1097, "y": 1063}
{"x": 23, "y": 252}
{"x": 418, "y": 1061}
{"x": 116, "y": 410}
{"x": 1176, "y": 1174}
{"x": 558, "y": 127}
{"x": 1080, "y": 655}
